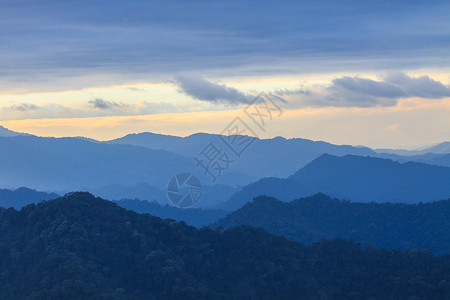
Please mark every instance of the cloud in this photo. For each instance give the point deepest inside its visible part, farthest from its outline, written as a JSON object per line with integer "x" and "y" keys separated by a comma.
{"x": 368, "y": 87}
{"x": 204, "y": 90}
{"x": 131, "y": 43}
{"x": 96, "y": 108}
{"x": 363, "y": 92}
{"x": 135, "y": 89}
{"x": 422, "y": 87}
{"x": 101, "y": 104}
{"x": 22, "y": 107}
{"x": 287, "y": 92}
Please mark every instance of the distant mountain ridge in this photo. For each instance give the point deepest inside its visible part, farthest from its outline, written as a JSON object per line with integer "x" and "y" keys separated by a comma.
{"x": 5, "y": 132}
{"x": 191, "y": 216}
{"x": 212, "y": 195}
{"x": 428, "y": 158}
{"x": 22, "y": 197}
{"x": 197, "y": 217}
{"x": 355, "y": 178}
{"x": 441, "y": 148}
{"x": 278, "y": 157}
{"x": 386, "y": 225}
{"x": 376, "y": 179}
{"x": 140, "y": 165}
{"x": 75, "y": 164}
{"x": 285, "y": 155}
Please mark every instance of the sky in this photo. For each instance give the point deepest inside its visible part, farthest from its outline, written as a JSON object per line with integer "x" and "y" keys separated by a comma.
{"x": 374, "y": 73}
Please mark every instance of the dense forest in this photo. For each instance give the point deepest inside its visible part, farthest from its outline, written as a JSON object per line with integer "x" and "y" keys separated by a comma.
{"x": 386, "y": 225}
{"x": 82, "y": 247}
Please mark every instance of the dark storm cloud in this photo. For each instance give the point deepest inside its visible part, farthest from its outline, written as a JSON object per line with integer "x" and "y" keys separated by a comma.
{"x": 143, "y": 39}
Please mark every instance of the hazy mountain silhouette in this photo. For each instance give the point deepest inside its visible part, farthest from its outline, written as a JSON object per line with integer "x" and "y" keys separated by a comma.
{"x": 72, "y": 163}
{"x": 154, "y": 141}
{"x": 429, "y": 158}
{"x": 211, "y": 195}
{"x": 438, "y": 159}
{"x": 82, "y": 247}
{"x": 192, "y": 216}
{"x": 375, "y": 179}
{"x": 140, "y": 191}
{"x": 5, "y": 132}
{"x": 442, "y": 148}
{"x": 355, "y": 178}
{"x": 277, "y": 157}
{"x": 311, "y": 219}
{"x": 130, "y": 167}
{"x": 23, "y": 196}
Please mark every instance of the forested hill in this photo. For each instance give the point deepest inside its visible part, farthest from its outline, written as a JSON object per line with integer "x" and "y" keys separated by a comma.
{"x": 387, "y": 225}
{"x": 82, "y": 247}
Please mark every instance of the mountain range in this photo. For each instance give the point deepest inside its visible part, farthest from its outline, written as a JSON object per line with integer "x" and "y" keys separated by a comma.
{"x": 299, "y": 151}
{"x": 212, "y": 195}
{"x": 139, "y": 166}
{"x": 441, "y": 148}
{"x": 355, "y": 178}
{"x": 197, "y": 217}
{"x": 82, "y": 247}
{"x": 61, "y": 164}
{"x": 266, "y": 157}
{"x": 387, "y": 225}
{"x": 276, "y": 157}
{"x": 192, "y": 216}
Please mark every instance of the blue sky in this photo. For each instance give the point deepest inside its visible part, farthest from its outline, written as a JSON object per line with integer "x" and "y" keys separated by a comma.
{"x": 103, "y": 59}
